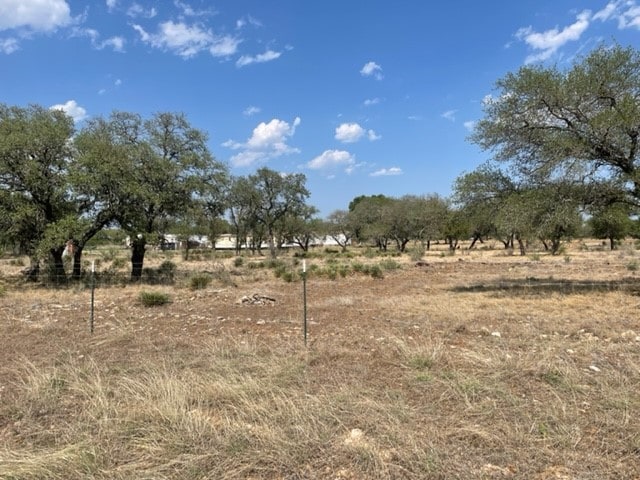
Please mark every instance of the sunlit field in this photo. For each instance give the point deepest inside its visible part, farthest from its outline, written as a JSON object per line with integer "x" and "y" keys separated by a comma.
{"x": 472, "y": 365}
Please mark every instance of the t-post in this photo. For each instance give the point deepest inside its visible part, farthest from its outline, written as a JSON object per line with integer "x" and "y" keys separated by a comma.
{"x": 93, "y": 289}
{"x": 304, "y": 299}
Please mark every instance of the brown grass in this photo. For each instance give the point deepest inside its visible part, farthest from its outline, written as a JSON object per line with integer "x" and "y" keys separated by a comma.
{"x": 478, "y": 365}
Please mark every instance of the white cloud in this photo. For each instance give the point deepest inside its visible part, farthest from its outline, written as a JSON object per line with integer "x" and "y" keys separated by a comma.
{"x": 386, "y": 172}
{"x": 414, "y": 118}
{"x": 548, "y": 42}
{"x": 118, "y": 82}
{"x": 626, "y": 12}
{"x": 224, "y": 46}
{"x": 111, "y": 4}
{"x": 332, "y": 159}
{"x": 349, "y": 132}
{"x": 372, "y": 69}
{"x": 186, "y": 41}
{"x": 470, "y": 125}
{"x": 267, "y": 56}
{"x": 373, "y": 136}
{"x": 371, "y": 101}
{"x": 251, "y": 110}
{"x": 268, "y": 140}
{"x": 9, "y": 45}
{"x": 36, "y": 15}
{"x": 102, "y": 91}
{"x": 116, "y": 43}
{"x": 72, "y": 109}
{"x": 188, "y": 11}
{"x": 352, "y": 132}
{"x": 248, "y": 20}
{"x": 449, "y": 115}
{"x": 136, "y": 10}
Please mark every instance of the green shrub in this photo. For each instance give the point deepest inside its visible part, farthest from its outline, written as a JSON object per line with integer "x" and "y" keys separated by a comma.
{"x": 153, "y": 299}
{"x": 376, "y": 272}
{"x": 238, "y": 261}
{"x": 167, "y": 271}
{"x": 288, "y": 276}
{"x": 199, "y": 281}
{"x": 389, "y": 264}
{"x": 632, "y": 266}
{"x": 417, "y": 252}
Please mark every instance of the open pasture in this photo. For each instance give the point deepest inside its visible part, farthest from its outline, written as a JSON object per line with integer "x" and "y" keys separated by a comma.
{"x": 474, "y": 365}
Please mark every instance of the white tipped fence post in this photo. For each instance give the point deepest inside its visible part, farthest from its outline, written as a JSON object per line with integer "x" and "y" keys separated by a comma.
{"x": 93, "y": 289}
{"x": 304, "y": 298}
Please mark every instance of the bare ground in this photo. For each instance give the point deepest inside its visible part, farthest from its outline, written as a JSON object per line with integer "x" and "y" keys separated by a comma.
{"x": 479, "y": 365}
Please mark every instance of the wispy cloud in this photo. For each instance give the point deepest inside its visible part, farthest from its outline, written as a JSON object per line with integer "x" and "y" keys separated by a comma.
{"x": 188, "y": 40}
{"x": 626, "y": 12}
{"x": 470, "y": 125}
{"x": 72, "y": 109}
{"x": 371, "y": 101}
{"x": 547, "y": 43}
{"x": 9, "y": 45}
{"x": 386, "y": 172}
{"x": 353, "y": 132}
{"x": 372, "y": 69}
{"x": 188, "y": 11}
{"x": 136, "y": 11}
{"x": 250, "y": 111}
{"x": 268, "y": 141}
{"x": 267, "y": 56}
{"x": 248, "y": 20}
{"x": 449, "y": 115}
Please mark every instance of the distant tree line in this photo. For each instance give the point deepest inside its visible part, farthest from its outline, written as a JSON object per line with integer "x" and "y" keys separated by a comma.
{"x": 564, "y": 145}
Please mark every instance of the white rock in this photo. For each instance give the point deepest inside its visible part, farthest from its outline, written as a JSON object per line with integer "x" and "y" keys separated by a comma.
{"x": 496, "y": 334}
{"x": 593, "y": 368}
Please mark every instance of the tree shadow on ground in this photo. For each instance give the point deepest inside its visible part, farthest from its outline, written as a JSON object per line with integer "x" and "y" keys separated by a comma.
{"x": 544, "y": 286}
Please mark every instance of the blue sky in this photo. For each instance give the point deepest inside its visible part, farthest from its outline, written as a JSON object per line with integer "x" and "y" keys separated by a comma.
{"x": 362, "y": 96}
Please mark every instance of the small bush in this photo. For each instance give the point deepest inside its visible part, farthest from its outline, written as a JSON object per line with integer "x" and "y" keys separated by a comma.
{"x": 358, "y": 267}
{"x": 376, "y": 272}
{"x": 167, "y": 271}
{"x": 17, "y": 262}
{"x": 632, "y": 266}
{"x": 118, "y": 263}
{"x": 389, "y": 264}
{"x": 288, "y": 276}
{"x": 417, "y": 252}
{"x": 198, "y": 282}
{"x": 535, "y": 257}
{"x": 153, "y": 299}
{"x": 238, "y": 261}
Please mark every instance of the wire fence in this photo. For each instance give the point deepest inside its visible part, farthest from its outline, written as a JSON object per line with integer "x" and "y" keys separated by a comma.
{"x": 106, "y": 279}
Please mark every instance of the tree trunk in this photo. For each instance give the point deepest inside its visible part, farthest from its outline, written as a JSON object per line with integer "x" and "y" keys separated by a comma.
{"x": 523, "y": 250}
{"x": 137, "y": 257}
{"x": 77, "y": 262}
{"x": 57, "y": 273}
{"x": 612, "y": 243}
{"x": 33, "y": 271}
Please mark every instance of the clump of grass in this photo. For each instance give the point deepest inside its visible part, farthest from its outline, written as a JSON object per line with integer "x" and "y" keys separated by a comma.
{"x": 633, "y": 265}
{"x": 389, "y": 264}
{"x": 17, "y": 262}
{"x": 535, "y": 257}
{"x": 199, "y": 281}
{"x": 417, "y": 252}
{"x": 153, "y": 298}
{"x": 376, "y": 272}
{"x": 238, "y": 261}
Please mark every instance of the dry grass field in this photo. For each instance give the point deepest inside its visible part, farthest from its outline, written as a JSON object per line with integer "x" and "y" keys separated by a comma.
{"x": 479, "y": 365}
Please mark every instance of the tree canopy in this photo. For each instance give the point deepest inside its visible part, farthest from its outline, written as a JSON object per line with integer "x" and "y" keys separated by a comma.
{"x": 580, "y": 125}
